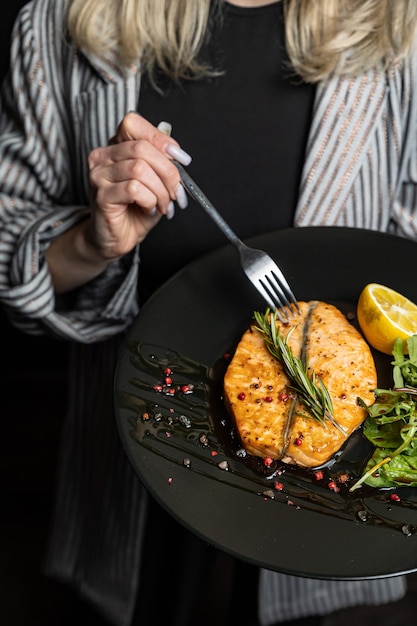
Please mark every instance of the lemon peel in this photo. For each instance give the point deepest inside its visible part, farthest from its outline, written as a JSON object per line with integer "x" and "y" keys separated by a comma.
{"x": 384, "y": 315}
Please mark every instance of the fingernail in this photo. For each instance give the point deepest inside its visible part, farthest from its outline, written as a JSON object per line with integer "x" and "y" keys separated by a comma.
{"x": 178, "y": 153}
{"x": 170, "y": 211}
{"x": 165, "y": 127}
{"x": 153, "y": 211}
{"x": 181, "y": 196}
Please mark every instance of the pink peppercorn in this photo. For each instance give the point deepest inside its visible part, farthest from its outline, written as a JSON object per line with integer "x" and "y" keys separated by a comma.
{"x": 242, "y": 395}
{"x": 298, "y": 441}
{"x": 268, "y": 461}
{"x": 394, "y": 497}
{"x": 318, "y": 475}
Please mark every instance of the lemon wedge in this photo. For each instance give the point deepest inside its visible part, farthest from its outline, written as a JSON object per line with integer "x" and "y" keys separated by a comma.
{"x": 383, "y": 315}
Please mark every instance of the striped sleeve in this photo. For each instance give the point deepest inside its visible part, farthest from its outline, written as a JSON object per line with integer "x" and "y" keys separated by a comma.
{"x": 40, "y": 187}
{"x": 283, "y": 597}
{"x": 361, "y": 163}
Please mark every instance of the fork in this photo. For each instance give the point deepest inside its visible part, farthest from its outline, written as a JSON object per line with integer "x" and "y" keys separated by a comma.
{"x": 258, "y": 266}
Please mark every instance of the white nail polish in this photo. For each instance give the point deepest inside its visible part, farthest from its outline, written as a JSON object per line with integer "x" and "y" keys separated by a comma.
{"x": 165, "y": 127}
{"x": 181, "y": 196}
{"x": 170, "y": 211}
{"x": 179, "y": 154}
{"x": 153, "y": 211}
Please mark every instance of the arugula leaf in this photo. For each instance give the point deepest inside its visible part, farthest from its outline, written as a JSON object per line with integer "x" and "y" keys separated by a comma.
{"x": 391, "y": 425}
{"x": 390, "y": 406}
{"x": 387, "y": 437}
{"x": 405, "y": 367}
{"x": 400, "y": 471}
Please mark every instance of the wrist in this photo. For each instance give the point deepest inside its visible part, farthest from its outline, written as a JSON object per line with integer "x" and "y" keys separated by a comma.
{"x": 74, "y": 259}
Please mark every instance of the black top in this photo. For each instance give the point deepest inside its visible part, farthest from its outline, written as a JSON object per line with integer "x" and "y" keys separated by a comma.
{"x": 246, "y": 132}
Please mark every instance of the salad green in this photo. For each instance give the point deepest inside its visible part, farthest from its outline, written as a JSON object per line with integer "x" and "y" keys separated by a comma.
{"x": 391, "y": 425}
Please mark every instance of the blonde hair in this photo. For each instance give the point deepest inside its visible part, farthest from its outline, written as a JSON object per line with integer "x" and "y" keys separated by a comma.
{"x": 322, "y": 37}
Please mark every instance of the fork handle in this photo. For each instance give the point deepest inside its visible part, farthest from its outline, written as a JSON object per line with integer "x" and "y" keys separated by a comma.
{"x": 196, "y": 193}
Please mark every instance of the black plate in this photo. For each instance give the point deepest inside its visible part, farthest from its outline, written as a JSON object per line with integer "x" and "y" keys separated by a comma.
{"x": 190, "y": 325}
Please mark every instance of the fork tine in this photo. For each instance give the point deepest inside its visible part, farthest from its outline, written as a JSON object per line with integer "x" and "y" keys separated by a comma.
{"x": 284, "y": 308}
{"x": 266, "y": 276}
{"x": 280, "y": 289}
{"x": 273, "y": 294}
{"x": 281, "y": 283}
{"x": 276, "y": 287}
{"x": 276, "y": 294}
{"x": 272, "y": 300}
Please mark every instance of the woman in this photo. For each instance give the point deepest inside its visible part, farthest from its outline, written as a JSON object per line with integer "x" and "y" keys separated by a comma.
{"x": 300, "y": 109}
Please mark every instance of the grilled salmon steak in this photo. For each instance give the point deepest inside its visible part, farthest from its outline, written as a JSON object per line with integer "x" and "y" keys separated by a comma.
{"x": 270, "y": 419}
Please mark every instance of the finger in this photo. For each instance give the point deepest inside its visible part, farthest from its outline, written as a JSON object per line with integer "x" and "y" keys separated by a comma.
{"x": 142, "y": 185}
{"x": 141, "y": 161}
{"x": 165, "y": 127}
{"x": 134, "y": 126}
{"x": 127, "y": 193}
{"x": 126, "y": 150}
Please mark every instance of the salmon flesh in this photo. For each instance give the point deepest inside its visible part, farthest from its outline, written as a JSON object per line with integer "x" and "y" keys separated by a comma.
{"x": 269, "y": 418}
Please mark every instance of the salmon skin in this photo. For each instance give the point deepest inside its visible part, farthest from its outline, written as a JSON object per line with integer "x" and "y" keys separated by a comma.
{"x": 269, "y": 418}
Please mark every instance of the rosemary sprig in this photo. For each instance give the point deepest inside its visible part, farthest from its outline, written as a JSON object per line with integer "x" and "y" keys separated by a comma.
{"x": 309, "y": 388}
